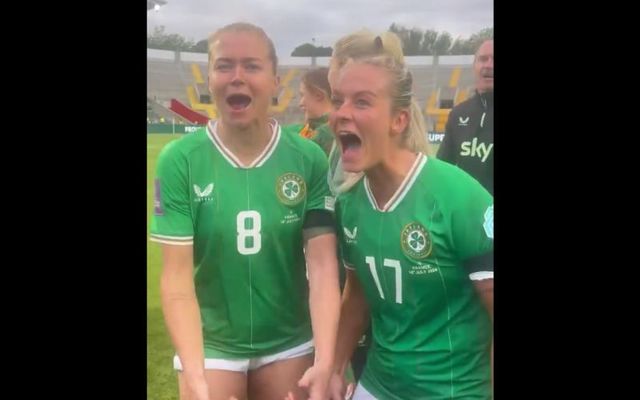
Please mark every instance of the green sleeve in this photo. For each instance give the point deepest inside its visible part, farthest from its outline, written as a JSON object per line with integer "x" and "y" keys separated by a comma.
{"x": 471, "y": 221}
{"x": 172, "y": 221}
{"x": 319, "y": 196}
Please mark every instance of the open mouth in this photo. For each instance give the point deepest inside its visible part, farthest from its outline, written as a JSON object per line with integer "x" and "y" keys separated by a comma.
{"x": 238, "y": 101}
{"x": 350, "y": 143}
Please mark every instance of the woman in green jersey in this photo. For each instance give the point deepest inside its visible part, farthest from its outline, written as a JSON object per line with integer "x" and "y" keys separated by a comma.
{"x": 236, "y": 203}
{"x": 416, "y": 237}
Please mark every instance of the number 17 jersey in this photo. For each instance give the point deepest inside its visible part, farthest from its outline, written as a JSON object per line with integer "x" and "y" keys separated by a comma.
{"x": 413, "y": 258}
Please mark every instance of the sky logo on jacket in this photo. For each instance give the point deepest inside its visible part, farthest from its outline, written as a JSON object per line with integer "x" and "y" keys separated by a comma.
{"x": 475, "y": 149}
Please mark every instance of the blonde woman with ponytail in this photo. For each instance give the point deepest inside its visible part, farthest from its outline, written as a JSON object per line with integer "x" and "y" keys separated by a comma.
{"x": 416, "y": 238}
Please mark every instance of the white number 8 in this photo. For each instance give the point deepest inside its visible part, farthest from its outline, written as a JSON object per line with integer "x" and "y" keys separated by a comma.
{"x": 244, "y": 233}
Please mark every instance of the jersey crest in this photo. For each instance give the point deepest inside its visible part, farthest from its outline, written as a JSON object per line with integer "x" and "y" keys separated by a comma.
{"x": 415, "y": 241}
{"x": 290, "y": 188}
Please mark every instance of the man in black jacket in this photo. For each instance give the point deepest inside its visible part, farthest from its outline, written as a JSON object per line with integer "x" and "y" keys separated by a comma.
{"x": 468, "y": 139}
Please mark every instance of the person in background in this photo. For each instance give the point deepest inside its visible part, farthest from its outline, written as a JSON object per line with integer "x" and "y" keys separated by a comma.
{"x": 315, "y": 102}
{"x": 468, "y": 139}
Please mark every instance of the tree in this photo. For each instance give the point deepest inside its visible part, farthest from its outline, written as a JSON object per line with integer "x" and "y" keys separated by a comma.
{"x": 324, "y": 51}
{"x": 413, "y": 42}
{"x": 201, "y": 47}
{"x": 461, "y": 47}
{"x": 163, "y": 41}
{"x": 477, "y": 38}
{"x": 428, "y": 40}
{"x": 443, "y": 44}
{"x": 156, "y": 39}
{"x": 402, "y": 33}
{"x": 309, "y": 50}
{"x": 394, "y": 28}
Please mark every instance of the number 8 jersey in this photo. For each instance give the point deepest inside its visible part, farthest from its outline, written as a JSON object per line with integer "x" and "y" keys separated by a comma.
{"x": 414, "y": 258}
{"x": 245, "y": 224}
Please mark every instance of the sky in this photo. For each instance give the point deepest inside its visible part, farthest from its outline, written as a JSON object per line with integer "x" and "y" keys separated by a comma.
{"x": 291, "y": 23}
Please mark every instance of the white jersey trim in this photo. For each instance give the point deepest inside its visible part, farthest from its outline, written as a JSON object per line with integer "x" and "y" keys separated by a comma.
{"x": 402, "y": 190}
{"x": 481, "y": 275}
{"x": 165, "y": 241}
{"x": 212, "y": 133}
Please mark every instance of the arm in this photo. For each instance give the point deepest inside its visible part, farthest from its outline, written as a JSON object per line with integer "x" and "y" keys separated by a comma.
{"x": 354, "y": 319}
{"x": 485, "y": 291}
{"x": 320, "y": 245}
{"x": 182, "y": 315}
{"x": 172, "y": 228}
{"x": 324, "y": 306}
{"x": 472, "y": 231}
{"x": 354, "y": 310}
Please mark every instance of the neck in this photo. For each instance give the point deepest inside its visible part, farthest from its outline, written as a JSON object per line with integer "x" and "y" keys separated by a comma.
{"x": 486, "y": 98}
{"x": 386, "y": 177}
{"x": 245, "y": 142}
{"x": 323, "y": 117}
{"x": 326, "y": 109}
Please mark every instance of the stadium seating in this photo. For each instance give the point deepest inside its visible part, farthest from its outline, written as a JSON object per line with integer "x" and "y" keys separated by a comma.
{"x": 185, "y": 81}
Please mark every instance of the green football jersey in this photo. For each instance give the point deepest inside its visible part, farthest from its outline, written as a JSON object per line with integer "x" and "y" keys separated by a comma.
{"x": 415, "y": 257}
{"x": 245, "y": 224}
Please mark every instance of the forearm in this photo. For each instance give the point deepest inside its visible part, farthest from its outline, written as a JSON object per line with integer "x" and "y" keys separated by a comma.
{"x": 485, "y": 291}
{"x": 324, "y": 304}
{"x": 182, "y": 316}
{"x": 354, "y": 318}
{"x": 324, "y": 295}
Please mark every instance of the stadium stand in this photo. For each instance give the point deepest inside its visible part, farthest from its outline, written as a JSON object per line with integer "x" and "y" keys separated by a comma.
{"x": 180, "y": 83}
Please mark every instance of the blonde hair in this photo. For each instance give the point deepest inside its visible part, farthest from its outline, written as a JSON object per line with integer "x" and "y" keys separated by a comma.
{"x": 365, "y": 43}
{"x": 384, "y": 51}
{"x": 245, "y": 27}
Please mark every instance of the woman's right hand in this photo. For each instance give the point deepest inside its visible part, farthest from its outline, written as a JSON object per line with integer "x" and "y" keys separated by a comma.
{"x": 337, "y": 387}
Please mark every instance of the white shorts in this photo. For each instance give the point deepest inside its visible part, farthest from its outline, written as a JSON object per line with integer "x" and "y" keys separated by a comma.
{"x": 246, "y": 364}
{"x": 362, "y": 394}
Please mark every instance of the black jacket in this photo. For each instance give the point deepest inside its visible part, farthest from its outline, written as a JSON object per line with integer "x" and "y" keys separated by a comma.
{"x": 468, "y": 138}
